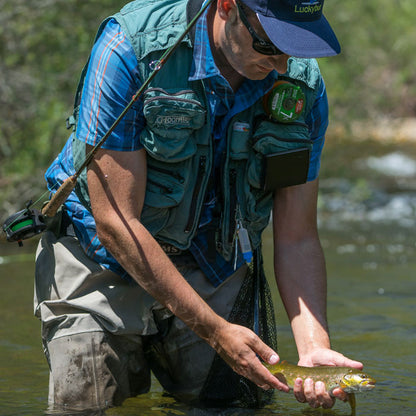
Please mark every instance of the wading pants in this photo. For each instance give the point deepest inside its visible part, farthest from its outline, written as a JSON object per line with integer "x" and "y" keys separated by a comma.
{"x": 102, "y": 334}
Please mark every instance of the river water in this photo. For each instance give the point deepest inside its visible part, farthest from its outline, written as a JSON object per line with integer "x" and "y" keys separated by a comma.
{"x": 367, "y": 228}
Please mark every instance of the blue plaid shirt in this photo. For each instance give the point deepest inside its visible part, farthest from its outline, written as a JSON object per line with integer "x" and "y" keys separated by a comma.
{"x": 111, "y": 81}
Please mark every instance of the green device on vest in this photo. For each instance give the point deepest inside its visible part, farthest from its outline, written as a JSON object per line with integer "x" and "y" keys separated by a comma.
{"x": 284, "y": 102}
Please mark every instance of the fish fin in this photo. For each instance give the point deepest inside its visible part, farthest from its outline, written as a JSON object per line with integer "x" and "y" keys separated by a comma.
{"x": 352, "y": 402}
{"x": 280, "y": 377}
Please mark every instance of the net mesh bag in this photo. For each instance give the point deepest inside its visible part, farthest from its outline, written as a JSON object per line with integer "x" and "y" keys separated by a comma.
{"x": 254, "y": 309}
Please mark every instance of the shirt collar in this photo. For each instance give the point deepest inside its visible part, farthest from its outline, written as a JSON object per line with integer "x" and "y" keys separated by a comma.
{"x": 203, "y": 65}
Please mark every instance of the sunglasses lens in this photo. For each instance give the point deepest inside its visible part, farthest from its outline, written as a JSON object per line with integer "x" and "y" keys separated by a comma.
{"x": 259, "y": 44}
{"x": 266, "y": 49}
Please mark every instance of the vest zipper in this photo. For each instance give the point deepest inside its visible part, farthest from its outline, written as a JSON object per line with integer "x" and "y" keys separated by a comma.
{"x": 194, "y": 201}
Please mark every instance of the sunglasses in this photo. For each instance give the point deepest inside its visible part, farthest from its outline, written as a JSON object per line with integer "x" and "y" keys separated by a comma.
{"x": 259, "y": 45}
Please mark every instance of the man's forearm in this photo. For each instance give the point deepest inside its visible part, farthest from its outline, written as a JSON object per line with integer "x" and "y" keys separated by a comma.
{"x": 301, "y": 278}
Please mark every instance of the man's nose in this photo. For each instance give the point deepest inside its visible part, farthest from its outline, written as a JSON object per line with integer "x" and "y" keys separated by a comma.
{"x": 279, "y": 63}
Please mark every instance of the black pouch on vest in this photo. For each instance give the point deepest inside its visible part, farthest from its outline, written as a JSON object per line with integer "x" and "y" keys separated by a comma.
{"x": 285, "y": 168}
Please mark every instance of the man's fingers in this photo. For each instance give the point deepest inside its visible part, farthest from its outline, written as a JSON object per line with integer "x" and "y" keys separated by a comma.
{"x": 340, "y": 394}
{"x": 309, "y": 392}
{"x": 298, "y": 391}
{"x": 241, "y": 349}
{"x": 322, "y": 396}
{"x": 268, "y": 355}
{"x": 267, "y": 379}
{"x": 313, "y": 393}
{"x": 264, "y": 351}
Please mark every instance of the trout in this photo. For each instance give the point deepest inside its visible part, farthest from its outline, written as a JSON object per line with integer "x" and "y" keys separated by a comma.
{"x": 348, "y": 379}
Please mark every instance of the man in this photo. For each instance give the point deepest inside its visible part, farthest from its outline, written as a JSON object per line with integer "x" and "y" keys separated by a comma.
{"x": 146, "y": 265}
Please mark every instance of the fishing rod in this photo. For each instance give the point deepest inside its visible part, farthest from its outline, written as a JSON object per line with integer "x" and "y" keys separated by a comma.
{"x": 29, "y": 221}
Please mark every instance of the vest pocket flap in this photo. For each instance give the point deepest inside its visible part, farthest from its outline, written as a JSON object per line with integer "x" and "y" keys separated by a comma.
{"x": 171, "y": 119}
{"x": 170, "y": 112}
{"x": 272, "y": 139}
{"x": 168, "y": 149}
{"x": 165, "y": 183}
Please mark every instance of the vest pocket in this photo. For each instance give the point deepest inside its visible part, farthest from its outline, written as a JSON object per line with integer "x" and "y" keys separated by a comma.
{"x": 271, "y": 139}
{"x": 172, "y": 117}
{"x": 165, "y": 189}
{"x": 165, "y": 183}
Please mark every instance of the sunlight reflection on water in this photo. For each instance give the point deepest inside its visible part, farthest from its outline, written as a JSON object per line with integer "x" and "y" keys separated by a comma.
{"x": 370, "y": 251}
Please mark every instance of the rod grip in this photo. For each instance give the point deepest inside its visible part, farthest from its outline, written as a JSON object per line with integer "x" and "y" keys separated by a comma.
{"x": 60, "y": 196}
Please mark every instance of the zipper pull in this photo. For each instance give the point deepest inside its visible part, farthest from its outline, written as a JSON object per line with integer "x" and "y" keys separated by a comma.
{"x": 235, "y": 251}
{"x": 245, "y": 245}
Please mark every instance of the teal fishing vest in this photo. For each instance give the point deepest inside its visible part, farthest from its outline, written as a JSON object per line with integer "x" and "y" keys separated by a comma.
{"x": 178, "y": 142}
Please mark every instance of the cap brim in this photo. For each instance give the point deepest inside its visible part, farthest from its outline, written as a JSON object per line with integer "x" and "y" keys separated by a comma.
{"x": 314, "y": 39}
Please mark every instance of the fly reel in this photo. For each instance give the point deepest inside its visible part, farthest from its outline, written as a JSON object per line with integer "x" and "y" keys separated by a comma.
{"x": 23, "y": 225}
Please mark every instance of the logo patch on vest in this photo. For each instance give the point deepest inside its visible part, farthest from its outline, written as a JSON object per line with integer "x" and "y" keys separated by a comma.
{"x": 179, "y": 121}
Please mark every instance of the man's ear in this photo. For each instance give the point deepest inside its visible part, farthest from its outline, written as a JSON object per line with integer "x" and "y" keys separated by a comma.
{"x": 224, "y": 7}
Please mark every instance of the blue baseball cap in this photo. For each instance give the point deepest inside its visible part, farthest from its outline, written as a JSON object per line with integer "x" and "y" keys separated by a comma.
{"x": 296, "y": 27}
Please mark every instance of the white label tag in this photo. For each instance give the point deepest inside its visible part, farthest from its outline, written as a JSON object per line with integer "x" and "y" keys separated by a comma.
{"x": 240, "y": 126}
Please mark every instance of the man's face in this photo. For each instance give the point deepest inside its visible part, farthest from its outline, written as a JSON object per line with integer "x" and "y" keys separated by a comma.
{"x": 236, "y": 44}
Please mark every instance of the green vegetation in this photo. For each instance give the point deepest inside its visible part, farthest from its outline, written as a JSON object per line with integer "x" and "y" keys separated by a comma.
{"x": 45, "y": 43}
{"x": 374, "y": 75}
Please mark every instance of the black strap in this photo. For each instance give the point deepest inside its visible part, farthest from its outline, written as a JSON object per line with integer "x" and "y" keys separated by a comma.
{"x": 192, "y": 8}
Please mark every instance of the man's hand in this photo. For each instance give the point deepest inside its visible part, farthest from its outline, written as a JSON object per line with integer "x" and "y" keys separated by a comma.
{"x": 239, "y": 347}
{"x": 315, "y": 393}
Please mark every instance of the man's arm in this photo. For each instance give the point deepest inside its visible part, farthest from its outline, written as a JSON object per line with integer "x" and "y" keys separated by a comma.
{"x": 117, "y": 183}
{"x": 301, "y": 278}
